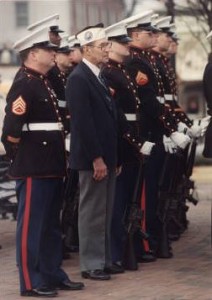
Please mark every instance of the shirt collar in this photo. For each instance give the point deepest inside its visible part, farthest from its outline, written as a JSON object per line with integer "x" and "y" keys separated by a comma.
{"x": 91, "y": 66}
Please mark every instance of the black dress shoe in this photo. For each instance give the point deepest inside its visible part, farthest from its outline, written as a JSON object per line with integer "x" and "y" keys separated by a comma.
{"x": 147, "y": 257}
{"x": 69, "y": 285}
{"x": 95, "y": 275}
{"x": 114, "y": 269}
{"x": 173, "y": 236}
{"x": 40, "y": 292}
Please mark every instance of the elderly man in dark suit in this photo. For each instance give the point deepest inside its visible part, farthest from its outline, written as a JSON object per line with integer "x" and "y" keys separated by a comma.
{"x": 93, "y": 152}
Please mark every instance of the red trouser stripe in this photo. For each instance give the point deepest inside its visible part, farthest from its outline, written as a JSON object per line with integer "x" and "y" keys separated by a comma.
{"x": 143, "y": 208}
{"x": 25, "y": 234}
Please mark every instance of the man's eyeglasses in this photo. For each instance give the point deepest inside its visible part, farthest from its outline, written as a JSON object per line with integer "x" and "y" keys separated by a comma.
{"x": 103, "y": 46}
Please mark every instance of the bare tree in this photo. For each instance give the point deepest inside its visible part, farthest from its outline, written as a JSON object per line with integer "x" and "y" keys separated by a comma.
{"x": 130, "y": 7}
{"x": 170, "y": 6}
{"x": 201, "y": 10}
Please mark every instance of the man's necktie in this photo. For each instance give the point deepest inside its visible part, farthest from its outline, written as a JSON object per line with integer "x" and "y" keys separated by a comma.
{"x": 102, "y": 81}
{"x": 108, "y": 95}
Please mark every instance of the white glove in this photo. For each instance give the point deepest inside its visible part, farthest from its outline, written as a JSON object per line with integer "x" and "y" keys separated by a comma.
{"x": 180, "y": 139}
{"x": 204, "y": 124}
{"x": 194, "y": 131}
{"x": 169, "y": 145}
{"x": 68, "y": 142}
{"x": 182, "y": 127}
{"x": 147, "y": 148}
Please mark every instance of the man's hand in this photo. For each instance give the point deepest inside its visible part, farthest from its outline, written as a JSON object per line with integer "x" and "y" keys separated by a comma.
{"x": 100, "y": 169}
{"x": 146, "y": 149}
{"x": 182, "y": 127}
{"x": 11, "y": 149}
{"x": 195, "y": 131}
{"x": 204, "y": 124}
{"x": 180, "y": 139}
{"x": 169, "y": 145}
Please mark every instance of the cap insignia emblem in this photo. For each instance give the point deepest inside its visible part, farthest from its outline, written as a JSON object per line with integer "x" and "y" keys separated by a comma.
{"x": 88, "y": 35}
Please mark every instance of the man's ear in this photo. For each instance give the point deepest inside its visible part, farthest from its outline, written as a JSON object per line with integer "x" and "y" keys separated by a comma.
{"x": 33, "y": 53}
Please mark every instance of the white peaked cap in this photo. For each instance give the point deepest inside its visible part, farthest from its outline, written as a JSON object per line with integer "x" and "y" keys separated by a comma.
{"x": 90, "y": 35}
{"x": 118, "y": 31}
{"x": 154, "y": 18}
{"x": 163, "y": 23}
{"x": 47, "y": 22}
{"x": 40, "y": 36}
{"x": 64, "y": 45}
{"x": 172, "y": 27}
{"x": 209, "y": 35}
{"x": 73, "y": 41}
{"x": 139, "y": 19}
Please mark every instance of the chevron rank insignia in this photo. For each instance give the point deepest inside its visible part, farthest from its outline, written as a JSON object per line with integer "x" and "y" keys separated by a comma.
{"x": 19, "y": 106}
{"x": 141, "y": 78}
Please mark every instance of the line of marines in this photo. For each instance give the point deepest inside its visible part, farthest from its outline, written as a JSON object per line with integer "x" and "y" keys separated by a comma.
{"x": 153, "y": 132}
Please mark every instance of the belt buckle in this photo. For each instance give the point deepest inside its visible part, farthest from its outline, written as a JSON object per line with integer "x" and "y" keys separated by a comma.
{"x": 60, "y": 126}
{"x": 137, "y": 117}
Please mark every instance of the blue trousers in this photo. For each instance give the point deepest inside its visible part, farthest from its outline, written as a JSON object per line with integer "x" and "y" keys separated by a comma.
{"x": 152, "y": 172}
{"x": 38, "y": 238}
{"x": 125, "y": 185}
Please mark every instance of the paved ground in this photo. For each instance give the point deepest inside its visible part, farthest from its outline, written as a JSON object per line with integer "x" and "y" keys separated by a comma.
{"x": 188, "y": 276}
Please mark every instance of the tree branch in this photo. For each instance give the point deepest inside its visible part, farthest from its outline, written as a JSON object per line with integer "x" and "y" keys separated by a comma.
{"x": 130, "y": 11}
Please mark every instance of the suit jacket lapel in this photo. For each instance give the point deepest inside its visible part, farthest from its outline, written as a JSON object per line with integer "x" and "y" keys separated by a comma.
{"x": 100, "y": 88}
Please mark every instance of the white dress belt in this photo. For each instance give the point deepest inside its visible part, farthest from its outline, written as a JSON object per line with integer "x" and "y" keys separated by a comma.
{"x": 131, "y": 117}
{"x": 61, "y": 103}
{"x": 169, "y": 97}
{"x": 42, "y": 126}
{"x": 160, "y": 99}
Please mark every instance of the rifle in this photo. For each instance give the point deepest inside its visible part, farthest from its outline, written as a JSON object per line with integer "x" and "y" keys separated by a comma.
{"x": 70, "y": 211}
{"x": 133, "y": 222}
{"x": 185, "y": 189}
{"x": 172, "y": 207}
{"x": 188, "y": 183}
{"x": 168, "y": 201}
{"x": 8, "y": 201}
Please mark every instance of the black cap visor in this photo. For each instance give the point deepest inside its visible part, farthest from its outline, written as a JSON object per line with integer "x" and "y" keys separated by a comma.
{"x": 64, "y": 50}
{"x": 45, "y": 45}
{"x": 56, "y": 29}
{"x": 120, "y": 39}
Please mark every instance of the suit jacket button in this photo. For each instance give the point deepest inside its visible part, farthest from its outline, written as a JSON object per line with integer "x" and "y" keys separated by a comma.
{"x": 44, "y": 143}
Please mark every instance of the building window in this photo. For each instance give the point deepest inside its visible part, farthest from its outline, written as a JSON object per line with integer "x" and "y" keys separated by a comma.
{"x": 22, "y": 15}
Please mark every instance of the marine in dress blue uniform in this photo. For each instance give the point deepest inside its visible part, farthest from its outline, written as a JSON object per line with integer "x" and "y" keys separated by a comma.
{"x": 34, "y": 140}
{"x": 58, "y": 76}
{"x": 125, "y": 93}
{"x": 156, "y": 118}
